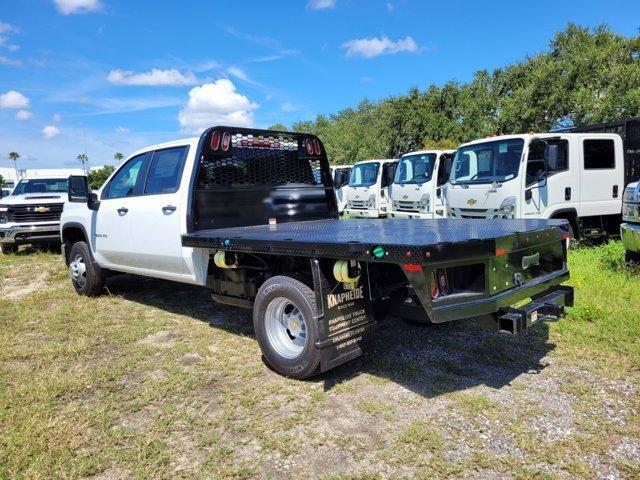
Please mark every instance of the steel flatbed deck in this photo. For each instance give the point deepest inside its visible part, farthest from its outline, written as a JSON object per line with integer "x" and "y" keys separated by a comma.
{"x": 402, "y": 240}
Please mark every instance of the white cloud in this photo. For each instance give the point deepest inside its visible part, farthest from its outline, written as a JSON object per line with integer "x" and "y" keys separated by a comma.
{"x": 13, "y": 99}
{"x": 216, "y": 103}
{"x": 68, "y": 7}
{"x": 321, "y": 4}
{"x": 23, "y": 115}
{"x": 8, "y": 28}
{"x": 9, "y": 61}
{"x": 120, "y": 129}
{"x": 374, "y": 47}
{"x": 289, "y": 107}
{"x": 154, "y": 77}
{"x": 56, "y": 118}
{"x": 50, "y": 131}
{"x": 238, "y": 73}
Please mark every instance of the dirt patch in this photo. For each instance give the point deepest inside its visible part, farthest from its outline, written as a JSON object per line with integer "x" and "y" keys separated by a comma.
{"x": 18, "y": 288}
{"x": 163, "y": 338}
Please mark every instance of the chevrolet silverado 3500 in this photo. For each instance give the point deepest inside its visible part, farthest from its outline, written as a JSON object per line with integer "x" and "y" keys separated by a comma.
{"x": 31, "y": 214}
{"x": 251, "y": 214}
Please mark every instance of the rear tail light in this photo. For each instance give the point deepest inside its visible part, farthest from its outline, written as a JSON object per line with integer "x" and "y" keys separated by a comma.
{"x": 435, "y": 293}
{"x": 215, "y": 140}
{"x": 309, "y": 145}
{"x": 442, "y": 282}
{"x": 316, "y": 146}
{"x": 226, "y": 141}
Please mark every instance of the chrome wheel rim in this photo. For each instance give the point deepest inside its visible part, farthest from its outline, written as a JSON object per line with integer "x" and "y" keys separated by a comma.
{"x": 286, "y": 328}
{"x": 78, "y": 271}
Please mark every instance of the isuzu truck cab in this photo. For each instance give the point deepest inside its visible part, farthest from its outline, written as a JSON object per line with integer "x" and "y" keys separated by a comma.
{"x": 416, "y": 191}
{"x": 368, "y": 195}
{"x": 252, "y": 216}
{"x": 574, "y": 176}
{"x": 340, "y": 175}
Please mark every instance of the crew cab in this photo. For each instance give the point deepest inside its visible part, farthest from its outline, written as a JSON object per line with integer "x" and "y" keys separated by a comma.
{"x": 31, "y": 214}
{"x": 575, "y": 176}
{"x": 251, "y": 215}
{"x": 368, "y": 195}
{"x": 416, "y": 191}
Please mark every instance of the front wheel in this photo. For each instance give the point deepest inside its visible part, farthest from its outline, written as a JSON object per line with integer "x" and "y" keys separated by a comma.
{"x": 84, "y": 276}
{"x": 9, "y": 248}
{"x": 286, "y": 326}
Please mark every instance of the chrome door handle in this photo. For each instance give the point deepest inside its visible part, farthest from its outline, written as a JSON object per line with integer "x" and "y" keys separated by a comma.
{"x": 168, "y": 209}
{"x": 123, "y": 211}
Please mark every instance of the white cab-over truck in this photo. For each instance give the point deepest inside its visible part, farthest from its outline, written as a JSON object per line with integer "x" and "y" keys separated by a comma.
{"x": 417, "y": 187}
{"x": 31, "y": 214}
{"x": 252, "y": 215}
{"x": 340, "y": 175}
{"x": 575, "y": 176}
{"x": 368, "y": 195}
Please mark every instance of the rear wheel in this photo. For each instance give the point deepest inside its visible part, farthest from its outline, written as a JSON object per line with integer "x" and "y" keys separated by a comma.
{"x": 285, "y": 322}
{"x": 9, "y": 248}
{"x": 84, "y": 275}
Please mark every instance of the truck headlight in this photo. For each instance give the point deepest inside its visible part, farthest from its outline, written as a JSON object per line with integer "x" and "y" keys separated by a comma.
{"x": 508, "y": 208}
{"x": 371, "y": 203}
{"x": 4, "y": 214}
{"x": 424, "y": 203}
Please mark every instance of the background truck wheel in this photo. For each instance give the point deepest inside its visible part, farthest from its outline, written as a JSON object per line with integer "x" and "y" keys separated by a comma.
{"x": 9, "y": 248}
{"x": 632, "y": 258}
{"x": 83, "y": 273}
{"x": 284, "y": 319}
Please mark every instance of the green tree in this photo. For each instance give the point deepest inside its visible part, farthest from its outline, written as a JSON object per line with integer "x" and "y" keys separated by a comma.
{"x": 97, "y": 177}
{"x": 84, "y": 160}
{"x": 1, "y": 181}
{"x": 118, "y": 157}
{"x": 278, "y": 126}
{"x": 15, "y": 156}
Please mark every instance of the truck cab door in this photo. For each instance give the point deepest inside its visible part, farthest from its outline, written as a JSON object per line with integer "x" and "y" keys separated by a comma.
{"x": 156, "y": 216}
{"x": 601, "y": 176}
{"x": 112, "y": 222}
{"x": 443, "y": 170}
{"x": 386, "y": 180}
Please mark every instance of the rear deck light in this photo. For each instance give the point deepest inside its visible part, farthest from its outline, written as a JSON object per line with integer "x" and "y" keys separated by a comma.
{"x": 412, "y": 267}
{"x": 309, "y": 145}
{"x": 500, "y": 251}
{"x": 215, "y": 140}
{"x": 566, "y": 236}
{"x": 316, "y": 146}
{"x": 226, "y": 141}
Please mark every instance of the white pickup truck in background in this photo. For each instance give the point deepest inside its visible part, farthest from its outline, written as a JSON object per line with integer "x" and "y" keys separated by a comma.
{"x": 574, "y": 176}
{"x": 31, "y": 214}
{"x": 368, "y": 195}
{"x": 416, "y": 191}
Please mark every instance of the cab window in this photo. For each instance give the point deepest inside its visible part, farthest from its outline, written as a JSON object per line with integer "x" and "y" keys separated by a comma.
{"x": 126, "y": 182}
{"x": 599, "y": 154}
{"x": 165, "y": 171}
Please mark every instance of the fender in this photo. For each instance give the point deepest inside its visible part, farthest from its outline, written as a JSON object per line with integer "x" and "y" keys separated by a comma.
{"x": 559, "y": 212}
{"x": 68, "y": 225}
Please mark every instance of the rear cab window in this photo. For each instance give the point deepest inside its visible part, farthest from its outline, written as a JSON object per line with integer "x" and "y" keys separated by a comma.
{"x": 599, "y": 154}
{"x": 165, "y": 171}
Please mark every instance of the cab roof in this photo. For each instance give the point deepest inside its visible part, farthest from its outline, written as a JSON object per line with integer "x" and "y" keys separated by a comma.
{"x": 379, "y": 160}
{"x": 529, "y": 136}
{"x": 420, "y": 152}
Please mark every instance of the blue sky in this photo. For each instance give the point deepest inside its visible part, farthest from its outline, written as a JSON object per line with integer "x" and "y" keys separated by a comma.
{"x": 120, "y": 75}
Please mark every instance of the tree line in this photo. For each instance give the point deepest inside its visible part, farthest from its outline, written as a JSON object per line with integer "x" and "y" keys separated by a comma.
{"x": 585, "y": 76}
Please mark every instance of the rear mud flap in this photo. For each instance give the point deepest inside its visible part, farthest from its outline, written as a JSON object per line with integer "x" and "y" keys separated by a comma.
{"x": 345, "y": 316}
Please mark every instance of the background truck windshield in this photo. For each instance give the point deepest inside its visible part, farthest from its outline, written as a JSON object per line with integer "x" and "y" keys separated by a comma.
{"x": 488, "y": 162}
{"x": 415, "y": 168}
{"x": 364, "y": 174}
{"x": 41, "y": 185}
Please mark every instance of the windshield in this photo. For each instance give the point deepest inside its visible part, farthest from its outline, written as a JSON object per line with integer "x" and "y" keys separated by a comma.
{"x": 364, "y": 174}
{"x": 415, "y": 168}
{"x": 488, "y": 162}
{"x": 41, "y": 185}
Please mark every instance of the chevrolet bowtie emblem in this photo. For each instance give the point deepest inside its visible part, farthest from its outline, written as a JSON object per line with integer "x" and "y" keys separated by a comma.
{"x": 41, "y": 209}
{"x": 472, "y": 201}
{"x": 404, "y": 197}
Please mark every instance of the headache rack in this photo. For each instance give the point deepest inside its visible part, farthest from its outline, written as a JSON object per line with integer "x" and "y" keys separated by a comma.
{"x": 248, "y": 176}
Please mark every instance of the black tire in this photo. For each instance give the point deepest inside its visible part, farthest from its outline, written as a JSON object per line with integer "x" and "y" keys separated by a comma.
{"x": 632, "y": 258}
{"x": 9, "y": 248}
{"x": 307, "y": 363}
{"x": 93, "y": 283}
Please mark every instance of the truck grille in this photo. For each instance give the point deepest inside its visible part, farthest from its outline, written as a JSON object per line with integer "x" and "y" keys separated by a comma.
{"x": 474, "y": 213}
{"x": 35, "y": 213}
{"x": 405, "y": 206}
{"x": 358, "y": 204}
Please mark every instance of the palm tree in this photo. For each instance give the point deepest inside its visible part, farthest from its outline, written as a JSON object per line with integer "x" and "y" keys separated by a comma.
{"x": 15, "y": 156}
{"x": 83, "y": 159}
{"x": 118, "y": 156}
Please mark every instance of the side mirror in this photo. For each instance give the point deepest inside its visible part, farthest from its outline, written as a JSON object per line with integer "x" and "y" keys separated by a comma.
{"x": 391, "y": 173}
{"x": 78, "y": 191}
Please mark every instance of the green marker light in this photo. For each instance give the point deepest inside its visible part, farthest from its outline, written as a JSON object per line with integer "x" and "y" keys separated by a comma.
{"x": 378, "y": 252}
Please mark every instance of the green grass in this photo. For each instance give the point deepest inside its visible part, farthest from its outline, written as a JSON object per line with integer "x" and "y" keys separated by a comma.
{"x": 138, "y": 384}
